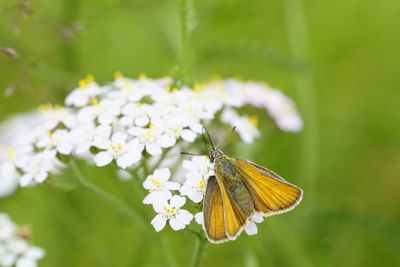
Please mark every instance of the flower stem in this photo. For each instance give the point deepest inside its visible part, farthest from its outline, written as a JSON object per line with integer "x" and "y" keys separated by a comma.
{"x": 119, "y": 205}
{"x": 298, "y": 39}
{"x": 184, "y": 41}
{"x": 199, "y": 251}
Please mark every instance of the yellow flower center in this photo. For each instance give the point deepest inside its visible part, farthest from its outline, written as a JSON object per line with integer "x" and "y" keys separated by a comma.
{"x": 86, "y": 81}
{"x": 45, "y": 107}
{"x": 94, "y": 101}
{"x": 118, "y": 75}
{"x": 202, "y": 183}
{"x": 10, "y": 153}
{"x": 142, "y": 76}
{"x": 155, "y": 182}
{"x": 254, "y": 120}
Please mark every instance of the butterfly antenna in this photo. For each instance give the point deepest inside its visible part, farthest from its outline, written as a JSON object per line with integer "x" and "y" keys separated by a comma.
{"x": 191, "y": 154}
{"x": 209, "y": 137}
{"x": 229, "y": 138}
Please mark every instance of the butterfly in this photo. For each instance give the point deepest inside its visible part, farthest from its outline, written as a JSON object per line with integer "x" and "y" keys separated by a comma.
{"x": 239, "y": 190}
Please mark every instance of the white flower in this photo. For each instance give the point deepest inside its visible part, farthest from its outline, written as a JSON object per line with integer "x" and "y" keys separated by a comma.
{"x": 199, "y": 218}
{"x": 251, "y": 228}
{"x": 174, "y": 127}
{"x": 8, "y": 179}
{"x": 53, "y": 115}
{"x": 245, "y": 126}
{"x": 199, "y": 164}
{"x": 194, "y": 186}
{"x": 30, "y": 256}
{"x": 178, "y": 218}
{"x": 82, "y": 95}
{"x": 8, "y": 228}
{"x": 149, "y": 138}
{"x": 193, "y": 112}
{"x": 105, "y": 111}
{"x": 126, "y": 90}
{"x": 59, "y": 140}
{"x": 36, "y": 167}
{"x": 89, "y": 135}
{"x": 125, "y": 153}
{"x": 15, "y": 250}
{"x": 159, "y": 187}
{"x": 136, "y": 114}
{"x": 289, "y": 120}
{"x": 282, "y": 109}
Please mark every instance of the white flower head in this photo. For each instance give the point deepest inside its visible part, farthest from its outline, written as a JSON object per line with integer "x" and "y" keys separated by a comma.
{"x": 59, "y": 140}
{"x": 195, "y": 186}
{"x": 178, "y": 218}
{"x": 149, "y": 139}
{"x": 199, "y": 170}
{"x": 105, "y": 111}
{"x": 90, "y": 135}
{"x": 159, "y": 186}
{"x": 124, "y": 153}
{"x": 15, "y": 250}
{"x": 82, "y": 95}
{"x": 36, "y": 167}
{"x": 136, "y": 114}
{"x": 174, "y": 128}
{"x": 126, "y": 89}
{"x": 199, "y": 164}
{"x": 245, "y": 126}
{"x": 53, "y": 115}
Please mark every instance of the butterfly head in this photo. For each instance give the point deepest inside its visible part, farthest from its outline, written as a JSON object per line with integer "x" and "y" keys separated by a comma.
{"x": 214, "y": 153}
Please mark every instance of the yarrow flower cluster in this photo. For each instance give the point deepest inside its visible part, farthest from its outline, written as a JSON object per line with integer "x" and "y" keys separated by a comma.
{"x": 137, "y": 123}
{"x": 15, "y": 248}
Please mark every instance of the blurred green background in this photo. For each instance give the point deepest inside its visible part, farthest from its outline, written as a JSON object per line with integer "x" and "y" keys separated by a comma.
{"x": 347, "y": 159}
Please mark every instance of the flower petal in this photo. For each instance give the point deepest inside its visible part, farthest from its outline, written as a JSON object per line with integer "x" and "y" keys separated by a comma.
{"x": 159, "y": 222}
{"x": 103, "y": 158}
{"x": 251, "y": 228}
{"x": 199, "y": 218}
{"x": 153, "y": 149}
{"x": 177, "y": 201}
{"x": 176, "y": 224}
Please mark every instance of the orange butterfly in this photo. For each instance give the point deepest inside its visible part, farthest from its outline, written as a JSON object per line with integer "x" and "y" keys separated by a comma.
{"x": 239, "y": 190}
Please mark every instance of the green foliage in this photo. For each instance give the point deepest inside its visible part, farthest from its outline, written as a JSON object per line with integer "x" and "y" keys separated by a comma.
{"x": 353, "y": 217}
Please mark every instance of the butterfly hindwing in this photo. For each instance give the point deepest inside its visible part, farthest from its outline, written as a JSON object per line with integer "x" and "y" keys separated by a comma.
{"x": 270, "y": 193}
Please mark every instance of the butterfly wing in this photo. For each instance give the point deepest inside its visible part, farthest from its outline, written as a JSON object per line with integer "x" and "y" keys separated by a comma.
{"x": 271, "y": 194}
{"x": 234, "y": 218}
{"x": 213, "y": 212}
{"x": 265, "y": 171}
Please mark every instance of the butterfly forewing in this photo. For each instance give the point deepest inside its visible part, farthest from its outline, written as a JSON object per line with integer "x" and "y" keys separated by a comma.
{"x": 214, "y": 222}
{"x": 270, "y": 194}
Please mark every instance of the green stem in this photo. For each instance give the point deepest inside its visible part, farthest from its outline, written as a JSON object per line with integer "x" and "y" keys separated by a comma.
{"x": 167, "y": 248}
{"x": 199, "y": 251}
{"x": 115, "y": 202}
{"x": 185, "y": 58}
{"x": 298, "y": 39}
{"x": 146, "y": 171}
